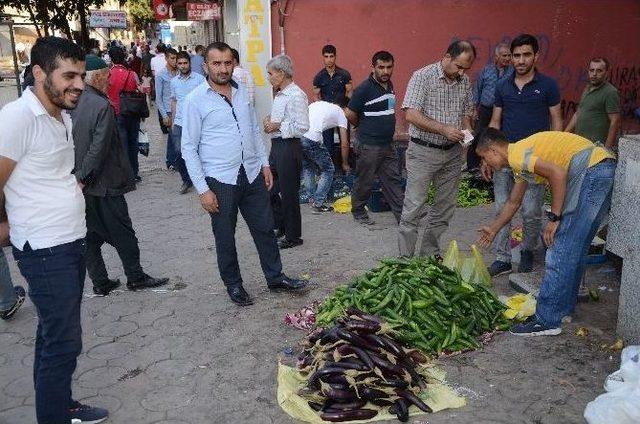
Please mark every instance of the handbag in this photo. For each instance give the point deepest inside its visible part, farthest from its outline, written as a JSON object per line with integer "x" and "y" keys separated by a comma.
{"x": 133, "y": 103}
{"x": 143, "y": 141}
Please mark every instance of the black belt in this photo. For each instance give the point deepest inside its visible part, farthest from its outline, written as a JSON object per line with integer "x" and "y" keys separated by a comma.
{"x": 435, "y": 146}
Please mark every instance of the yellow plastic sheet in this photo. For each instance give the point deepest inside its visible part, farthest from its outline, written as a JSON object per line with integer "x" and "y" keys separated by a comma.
{"x": 439, "y": 396}
{"x": 521, "y": 306}
{"x": 342, "y": 205}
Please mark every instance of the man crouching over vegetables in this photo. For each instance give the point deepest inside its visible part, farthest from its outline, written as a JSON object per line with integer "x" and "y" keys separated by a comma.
{"x": 580, "y": 175}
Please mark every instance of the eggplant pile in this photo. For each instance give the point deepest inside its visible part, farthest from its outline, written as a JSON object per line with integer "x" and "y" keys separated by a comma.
{"x": 430, "y": 306}
{"x": 355, "y": 366}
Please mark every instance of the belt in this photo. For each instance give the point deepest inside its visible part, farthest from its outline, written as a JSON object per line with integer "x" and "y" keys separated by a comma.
{"x": 433, "y": 145}
{"x": 285, "y": 139}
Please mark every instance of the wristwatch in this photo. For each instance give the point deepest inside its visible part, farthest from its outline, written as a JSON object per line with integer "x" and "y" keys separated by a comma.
{"x": 553, "y": 217}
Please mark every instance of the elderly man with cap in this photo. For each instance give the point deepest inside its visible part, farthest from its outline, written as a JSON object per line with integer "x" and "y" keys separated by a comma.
{"x": 102, "y": 168}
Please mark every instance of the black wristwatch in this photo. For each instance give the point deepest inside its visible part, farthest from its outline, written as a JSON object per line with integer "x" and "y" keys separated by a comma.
{"x": 553, "y": 217}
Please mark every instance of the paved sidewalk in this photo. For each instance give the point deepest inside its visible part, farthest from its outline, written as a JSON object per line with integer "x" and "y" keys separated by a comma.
{"x": 186, "y": 354}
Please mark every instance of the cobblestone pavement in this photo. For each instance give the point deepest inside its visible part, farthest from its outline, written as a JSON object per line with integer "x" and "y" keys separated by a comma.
{"x": 186, "y": 354}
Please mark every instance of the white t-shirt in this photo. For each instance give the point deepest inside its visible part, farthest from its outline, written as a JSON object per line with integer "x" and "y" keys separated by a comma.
{"x": 158, "y": 63}
{"x": 322, "y": 116}
{"x": 44, "y": 204}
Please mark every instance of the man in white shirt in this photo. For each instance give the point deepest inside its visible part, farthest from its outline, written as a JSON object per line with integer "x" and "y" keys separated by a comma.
{"x": 46, "y": 212}
{"x": 243, "y": 76}
{"x": 322, "y": 116}
{"x": 158, "y": 62}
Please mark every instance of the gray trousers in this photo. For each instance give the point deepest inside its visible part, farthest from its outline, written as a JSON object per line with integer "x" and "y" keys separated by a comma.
{"x": 426, "y": 165}
{"x": 380, "y": 161}
{"x": 531, "y": 211}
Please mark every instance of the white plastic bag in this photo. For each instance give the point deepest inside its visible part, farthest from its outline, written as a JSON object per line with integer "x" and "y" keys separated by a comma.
{"x": 621, "y": 403}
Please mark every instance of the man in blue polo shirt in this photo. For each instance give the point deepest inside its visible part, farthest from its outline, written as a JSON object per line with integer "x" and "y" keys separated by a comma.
{"x": 332, "y": 84}
{"x": 525, "y": 104}
{"x": 372, "y": 110}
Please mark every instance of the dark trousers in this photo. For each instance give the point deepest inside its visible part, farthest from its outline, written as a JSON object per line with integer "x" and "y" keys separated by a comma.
{"x": 56, "y": 279}
{"x": 327, "y": 139}
{"x": 382, "y": 162}
{"x": 252, "y": 199}
{"x": 128, "y": 128}
{"x": 108, "y": 221}
{"x": 179, "y": 163}
{"x": 286, "y": 167}
{"x": 484, "y": 118}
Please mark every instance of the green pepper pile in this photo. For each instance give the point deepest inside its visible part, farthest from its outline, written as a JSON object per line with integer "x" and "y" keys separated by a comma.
{"x": 468, "y": 196}
{"x": 429, "y": 305}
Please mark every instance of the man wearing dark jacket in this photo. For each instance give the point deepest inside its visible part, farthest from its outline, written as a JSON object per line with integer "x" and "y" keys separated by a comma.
{"x": 103, "y": 170}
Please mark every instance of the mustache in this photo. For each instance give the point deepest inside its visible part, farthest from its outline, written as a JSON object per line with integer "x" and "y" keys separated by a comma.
{"x": 73, "y": 91}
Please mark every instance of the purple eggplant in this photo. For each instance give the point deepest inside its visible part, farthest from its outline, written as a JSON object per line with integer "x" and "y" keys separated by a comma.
{"x": 383, "y": 364}
{"x": 362, "y": 326}
{"x": 401, "y": 410}
{"x": 348, "y": 415}
{"x": 314, "y": 380}
{"x": 355, "y": 339}
{"x": 331, "y": 404}
{"x": 413, "y": 399}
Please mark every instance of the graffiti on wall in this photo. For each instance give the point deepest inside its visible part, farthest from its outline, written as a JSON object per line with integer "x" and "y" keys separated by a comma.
{"x": 571, "y": 79}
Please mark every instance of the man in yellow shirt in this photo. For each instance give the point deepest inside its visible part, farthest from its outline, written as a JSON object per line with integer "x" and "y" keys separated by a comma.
{"x": 580, "y": 176}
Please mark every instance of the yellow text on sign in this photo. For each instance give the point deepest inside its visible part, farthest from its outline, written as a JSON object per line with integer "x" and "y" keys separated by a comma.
{"x": 254, "y": 17}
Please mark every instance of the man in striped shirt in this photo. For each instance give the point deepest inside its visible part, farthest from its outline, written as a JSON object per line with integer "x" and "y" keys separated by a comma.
{"x": 372, "y": 110}
{"x": 438, "y": 105}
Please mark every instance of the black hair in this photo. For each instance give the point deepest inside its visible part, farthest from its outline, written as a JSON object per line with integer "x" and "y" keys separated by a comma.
{"x": 382, "y": 56}
{"x": 458, "y": 47}
{"x": 490, "y": 136}
{"x": 160, "y": 48}
{"x": 217, "y": 45}
{"x": 184, "y": 55}
{"x": 47, "y": 50}
{"x": 117, "y": 56}
{"x": 525, "y": 40}
{"x": 170, "y": 51}
{"x": 236, "y": 55}
{"x": 329, "y": 49}
{"x": 600, "y": 59}
{"x": 199, "y": 48}
{"x": 343, "y": 101}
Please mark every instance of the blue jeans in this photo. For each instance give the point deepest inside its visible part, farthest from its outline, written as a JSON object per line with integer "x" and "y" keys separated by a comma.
{"x": 565, "y": 260}
{"x": 7, "y": 292}
{"x": 56, "y": 279}
{"x": 315, "y": 156}
{"x": 128, "y": 128}
{"x": 531, "y": 214}
{"x": 176, "y": 135}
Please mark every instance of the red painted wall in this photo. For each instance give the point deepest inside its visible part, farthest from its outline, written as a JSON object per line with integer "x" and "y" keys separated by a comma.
{"x": 418, "y": 32}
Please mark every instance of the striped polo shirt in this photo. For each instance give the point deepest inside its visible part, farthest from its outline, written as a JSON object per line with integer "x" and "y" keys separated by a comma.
{"x": 375, "y": 106}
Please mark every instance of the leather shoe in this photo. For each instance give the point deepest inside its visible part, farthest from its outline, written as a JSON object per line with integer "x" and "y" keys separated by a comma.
{"x": 146, "y": 282}
{"x": 239, "y": 296}
{"x": 286, "y": 283}
{"x": 103, "y": 288}
{"x": 288, "y": 244}
{"x": 279, "y": 233}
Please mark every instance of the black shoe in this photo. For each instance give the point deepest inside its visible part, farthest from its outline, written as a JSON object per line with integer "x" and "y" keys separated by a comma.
{"x": 20, "y": 296}
{"x": 185, "y": 188}
{"x": 320, "y": 209}
{"x": 85, "y": 414}
{"x": 103, "y": 288}
{"x": 364, "y": 220}
{"x": 146, "y": 282}
{"x": 286, "y": 283}
{"x": 288, "y": 244}
{"x": 138, "y": 178}
{"x": 279, "y": 233}
{"x": 238, "y": 295}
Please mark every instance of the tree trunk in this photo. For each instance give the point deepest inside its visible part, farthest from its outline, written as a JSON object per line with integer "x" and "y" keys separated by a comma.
{"x": 33, "y": 19}
{"x": 84, "y": 30}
